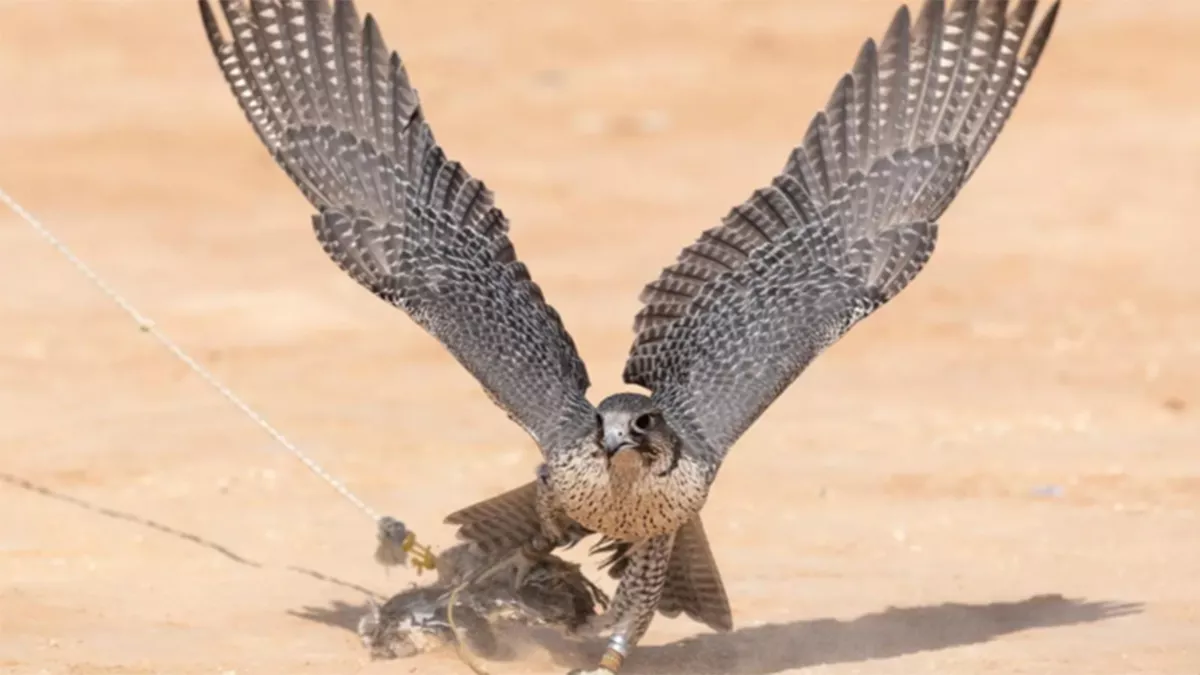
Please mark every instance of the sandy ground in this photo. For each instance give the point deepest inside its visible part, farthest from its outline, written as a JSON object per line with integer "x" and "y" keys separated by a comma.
{"x": 995, "y": 474}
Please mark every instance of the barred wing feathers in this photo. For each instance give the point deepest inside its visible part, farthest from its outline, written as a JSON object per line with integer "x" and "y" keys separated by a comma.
{"x": 850, "y": 221}
{"x": 337, "y": 111}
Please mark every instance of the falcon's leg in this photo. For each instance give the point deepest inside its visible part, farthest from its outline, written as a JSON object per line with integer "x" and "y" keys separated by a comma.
{"x": 524, "y": 526}
{"x": 634, "y": 603}
{"x": 529, "y": 555}
{"x": 519, "y": 563}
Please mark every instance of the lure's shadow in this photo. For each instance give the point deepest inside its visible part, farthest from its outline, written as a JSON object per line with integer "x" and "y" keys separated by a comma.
{"x": 337, "y": 614}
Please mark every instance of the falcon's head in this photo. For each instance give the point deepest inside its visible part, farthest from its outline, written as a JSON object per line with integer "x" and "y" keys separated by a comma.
{"x": 634, "y": 435}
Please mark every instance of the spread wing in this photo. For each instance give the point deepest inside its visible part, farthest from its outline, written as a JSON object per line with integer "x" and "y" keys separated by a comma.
{"x": 336, "y": 110}
{"x": 846, "y": 226}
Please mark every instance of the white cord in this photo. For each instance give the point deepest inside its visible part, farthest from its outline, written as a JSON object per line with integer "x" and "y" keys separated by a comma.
{"x": 147, "y": 326}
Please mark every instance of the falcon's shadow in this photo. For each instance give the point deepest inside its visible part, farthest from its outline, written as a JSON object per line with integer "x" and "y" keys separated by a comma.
{"x": 775, "y": 648}
{"x": 896, "y": 631}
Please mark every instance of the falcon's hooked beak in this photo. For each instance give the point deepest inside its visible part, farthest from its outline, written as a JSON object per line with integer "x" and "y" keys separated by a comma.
{"x": 616, "y": 440}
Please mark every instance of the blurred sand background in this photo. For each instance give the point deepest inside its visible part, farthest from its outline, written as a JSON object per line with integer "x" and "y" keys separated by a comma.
{"x": 997, "y": 473}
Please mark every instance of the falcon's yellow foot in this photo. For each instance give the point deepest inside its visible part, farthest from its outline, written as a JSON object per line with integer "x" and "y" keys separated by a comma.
{"x": 399, "y": 546}
{"x": 422, "y": 556}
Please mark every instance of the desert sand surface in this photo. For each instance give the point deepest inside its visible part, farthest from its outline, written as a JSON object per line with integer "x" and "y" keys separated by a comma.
{"x": 999, "y": 472}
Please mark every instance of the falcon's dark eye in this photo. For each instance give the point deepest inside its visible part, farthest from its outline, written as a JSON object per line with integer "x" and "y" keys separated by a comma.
{"x": 642, "y": 423}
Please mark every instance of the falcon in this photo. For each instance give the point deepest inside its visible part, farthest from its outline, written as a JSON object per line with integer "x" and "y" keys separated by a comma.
{"x": 845, "y": 226}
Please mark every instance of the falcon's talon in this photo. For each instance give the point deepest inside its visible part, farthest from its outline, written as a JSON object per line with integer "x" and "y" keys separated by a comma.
{"x": 517, "y": 561}
{"x": 397, "y": 545}
{"x": 423, "y": 558}
{"x": 523, "y": 563}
